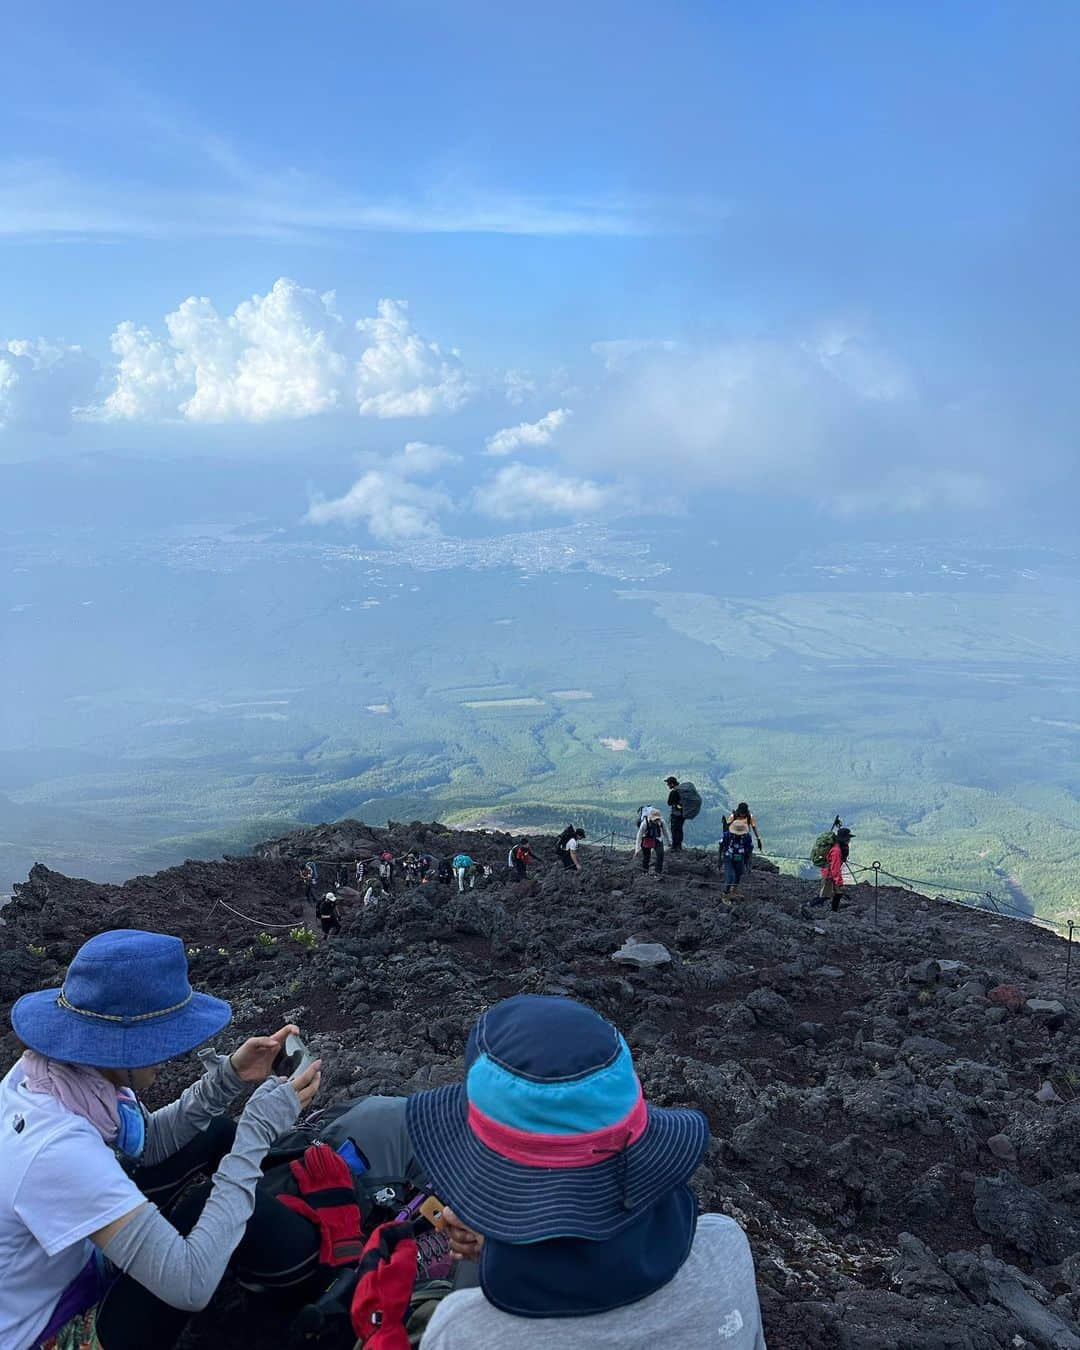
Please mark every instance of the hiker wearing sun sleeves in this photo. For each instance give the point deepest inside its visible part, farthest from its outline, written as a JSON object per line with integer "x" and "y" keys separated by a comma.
{"x": 89, "y": 1173}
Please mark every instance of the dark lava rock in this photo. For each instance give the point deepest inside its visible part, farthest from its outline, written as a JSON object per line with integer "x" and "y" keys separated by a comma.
{"x": 851, "y": 1081}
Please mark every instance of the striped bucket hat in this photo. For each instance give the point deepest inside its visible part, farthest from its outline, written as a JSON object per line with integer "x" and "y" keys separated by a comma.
{"x": 550, "y": 1135}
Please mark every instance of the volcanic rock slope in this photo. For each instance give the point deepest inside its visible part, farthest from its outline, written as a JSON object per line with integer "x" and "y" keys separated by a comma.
{"x": 895, "y": 1106}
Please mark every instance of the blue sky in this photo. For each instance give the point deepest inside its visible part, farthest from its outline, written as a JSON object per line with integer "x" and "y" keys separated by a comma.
{"x": 828, "y": 238}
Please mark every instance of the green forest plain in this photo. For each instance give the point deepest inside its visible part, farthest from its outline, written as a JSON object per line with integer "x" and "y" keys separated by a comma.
{"x": 939, "y": 723}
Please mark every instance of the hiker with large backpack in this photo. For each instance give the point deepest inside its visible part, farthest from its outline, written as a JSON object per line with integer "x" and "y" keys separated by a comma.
{"x": 832, "y": 870}
{"x": 651, "y": 835}
{"x": 830, "y": 853}
{"x": 94, "y": 1253}
{"x": 684, "y": 803}
{"x": 566, "y": 848}
{"x": 574, "y": 1194}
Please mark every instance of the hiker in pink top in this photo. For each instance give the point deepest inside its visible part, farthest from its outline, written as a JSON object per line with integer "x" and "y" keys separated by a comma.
{"x": 832, "y": 874}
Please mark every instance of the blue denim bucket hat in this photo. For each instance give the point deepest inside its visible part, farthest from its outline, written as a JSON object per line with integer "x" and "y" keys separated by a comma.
{"x": 550, "y": 1134}
{"x": 126, "y": 1002}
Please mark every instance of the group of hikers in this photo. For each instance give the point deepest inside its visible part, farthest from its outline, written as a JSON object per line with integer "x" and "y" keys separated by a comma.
{"x": 539, "y": 1201}
{"x": 373, "y": 878}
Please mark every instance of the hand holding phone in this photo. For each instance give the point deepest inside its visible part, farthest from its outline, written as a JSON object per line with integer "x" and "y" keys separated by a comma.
{"x": 294, "y": 1058}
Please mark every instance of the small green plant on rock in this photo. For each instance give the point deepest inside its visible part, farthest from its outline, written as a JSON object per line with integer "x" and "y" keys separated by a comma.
{"x": 303, "y": 935}
{"x": 266, "y": 940}
{"x": 35, "y": 951}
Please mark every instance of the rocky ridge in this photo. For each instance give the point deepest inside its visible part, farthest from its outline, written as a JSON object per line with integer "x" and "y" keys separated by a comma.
{"x": 894, "y": 1107}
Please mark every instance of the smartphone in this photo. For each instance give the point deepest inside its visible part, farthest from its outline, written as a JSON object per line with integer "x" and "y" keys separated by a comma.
{"x": 293, "y": 1058}
{"x": 358, "y": 1163}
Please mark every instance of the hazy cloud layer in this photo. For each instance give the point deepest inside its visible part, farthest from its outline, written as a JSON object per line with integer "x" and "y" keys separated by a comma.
{"x": 538, "y": 433}
{"x": 387, "y": 501}
{"x": 832, "y": 415}
{"x": 285, "y": 355}
{"x": 520, "y": 491}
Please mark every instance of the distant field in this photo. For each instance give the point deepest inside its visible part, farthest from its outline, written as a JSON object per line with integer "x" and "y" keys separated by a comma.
{"x": 941, "y": 724}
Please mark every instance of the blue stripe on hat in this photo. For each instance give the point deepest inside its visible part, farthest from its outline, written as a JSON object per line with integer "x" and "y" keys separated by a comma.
{"x": 592, "y": 1102}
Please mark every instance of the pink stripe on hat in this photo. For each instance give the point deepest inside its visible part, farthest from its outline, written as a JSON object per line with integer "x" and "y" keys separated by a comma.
{"x": 560, "y": 1150}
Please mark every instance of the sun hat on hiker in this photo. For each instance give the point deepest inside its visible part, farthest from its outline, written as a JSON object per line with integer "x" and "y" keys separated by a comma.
{"x": 126, "y": 1002}
{"x": 550, "y": 1135}
{"x": 738, "y": 826}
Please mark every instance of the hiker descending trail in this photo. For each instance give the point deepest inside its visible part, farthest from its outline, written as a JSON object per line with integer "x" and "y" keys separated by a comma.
{"x": 830, "y": 853}
{"x": 684, "y": 803}
{"x": 328, "y": 914}
{"x": 651, "y": 836}
{"x": 519, "y": 859}
{"x": 465, "y": 870}
{"x": 735, "y": 852}
{"x": 566, "y": 847}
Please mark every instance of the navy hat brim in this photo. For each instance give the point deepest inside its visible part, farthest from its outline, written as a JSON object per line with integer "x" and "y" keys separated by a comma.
{"x": 513, "y": 1203}
{"x": 41, "y": 1023}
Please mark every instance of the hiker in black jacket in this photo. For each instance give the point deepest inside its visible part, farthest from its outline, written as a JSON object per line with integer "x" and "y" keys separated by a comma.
{"x": 328, "y": 914}
{"x": 566, "y": 846}
{"x": 675, "y": 805}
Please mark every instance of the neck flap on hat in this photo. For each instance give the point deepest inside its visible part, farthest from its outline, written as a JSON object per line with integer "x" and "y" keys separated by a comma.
{"x": 575, "y": 1277}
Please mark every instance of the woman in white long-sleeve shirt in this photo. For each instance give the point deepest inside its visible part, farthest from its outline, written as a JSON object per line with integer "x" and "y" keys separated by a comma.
{"x": 651, "y": 837}
{"x": 88, "y": 1258}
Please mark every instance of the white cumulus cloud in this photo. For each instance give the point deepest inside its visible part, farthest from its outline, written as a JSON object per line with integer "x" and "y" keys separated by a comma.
{"x": 42, "y": 384}
{"x": 402, "y": 375}
{"x": 519, "y": 491}
{"x": 508, "y": 440}
{"x": 281, "y": 356}
{"x": 386, "y": 500}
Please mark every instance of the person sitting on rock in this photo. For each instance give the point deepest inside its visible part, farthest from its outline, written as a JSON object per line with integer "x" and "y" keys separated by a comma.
{"x": 328, "y": 914}
{"x": 89, "y": 1173}
{"x": 573, "y": 1195}
{"x": 465, "y": 868}
{"x": 651, "y": 835}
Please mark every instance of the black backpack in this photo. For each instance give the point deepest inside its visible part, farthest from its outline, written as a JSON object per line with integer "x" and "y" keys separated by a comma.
{"x": 691, "y": 800}
{"x": 565, "y": 838}
{"x": 324, "y": 909}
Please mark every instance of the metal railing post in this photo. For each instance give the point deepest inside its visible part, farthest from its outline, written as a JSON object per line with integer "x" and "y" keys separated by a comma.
{"x": 877, "y": 876}
{"x": 1068, "y": 957}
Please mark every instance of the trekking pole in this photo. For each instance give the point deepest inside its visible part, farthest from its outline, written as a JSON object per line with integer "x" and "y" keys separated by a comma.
{"x": 877, "y": 877}
{"x": 1068, "y": 957}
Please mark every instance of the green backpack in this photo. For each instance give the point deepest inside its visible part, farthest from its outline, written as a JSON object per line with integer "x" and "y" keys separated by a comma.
{"x": 819, "y": 854}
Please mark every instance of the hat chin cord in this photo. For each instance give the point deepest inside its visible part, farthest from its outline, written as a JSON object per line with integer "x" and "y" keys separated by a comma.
{"x": 621, "y": 1168}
